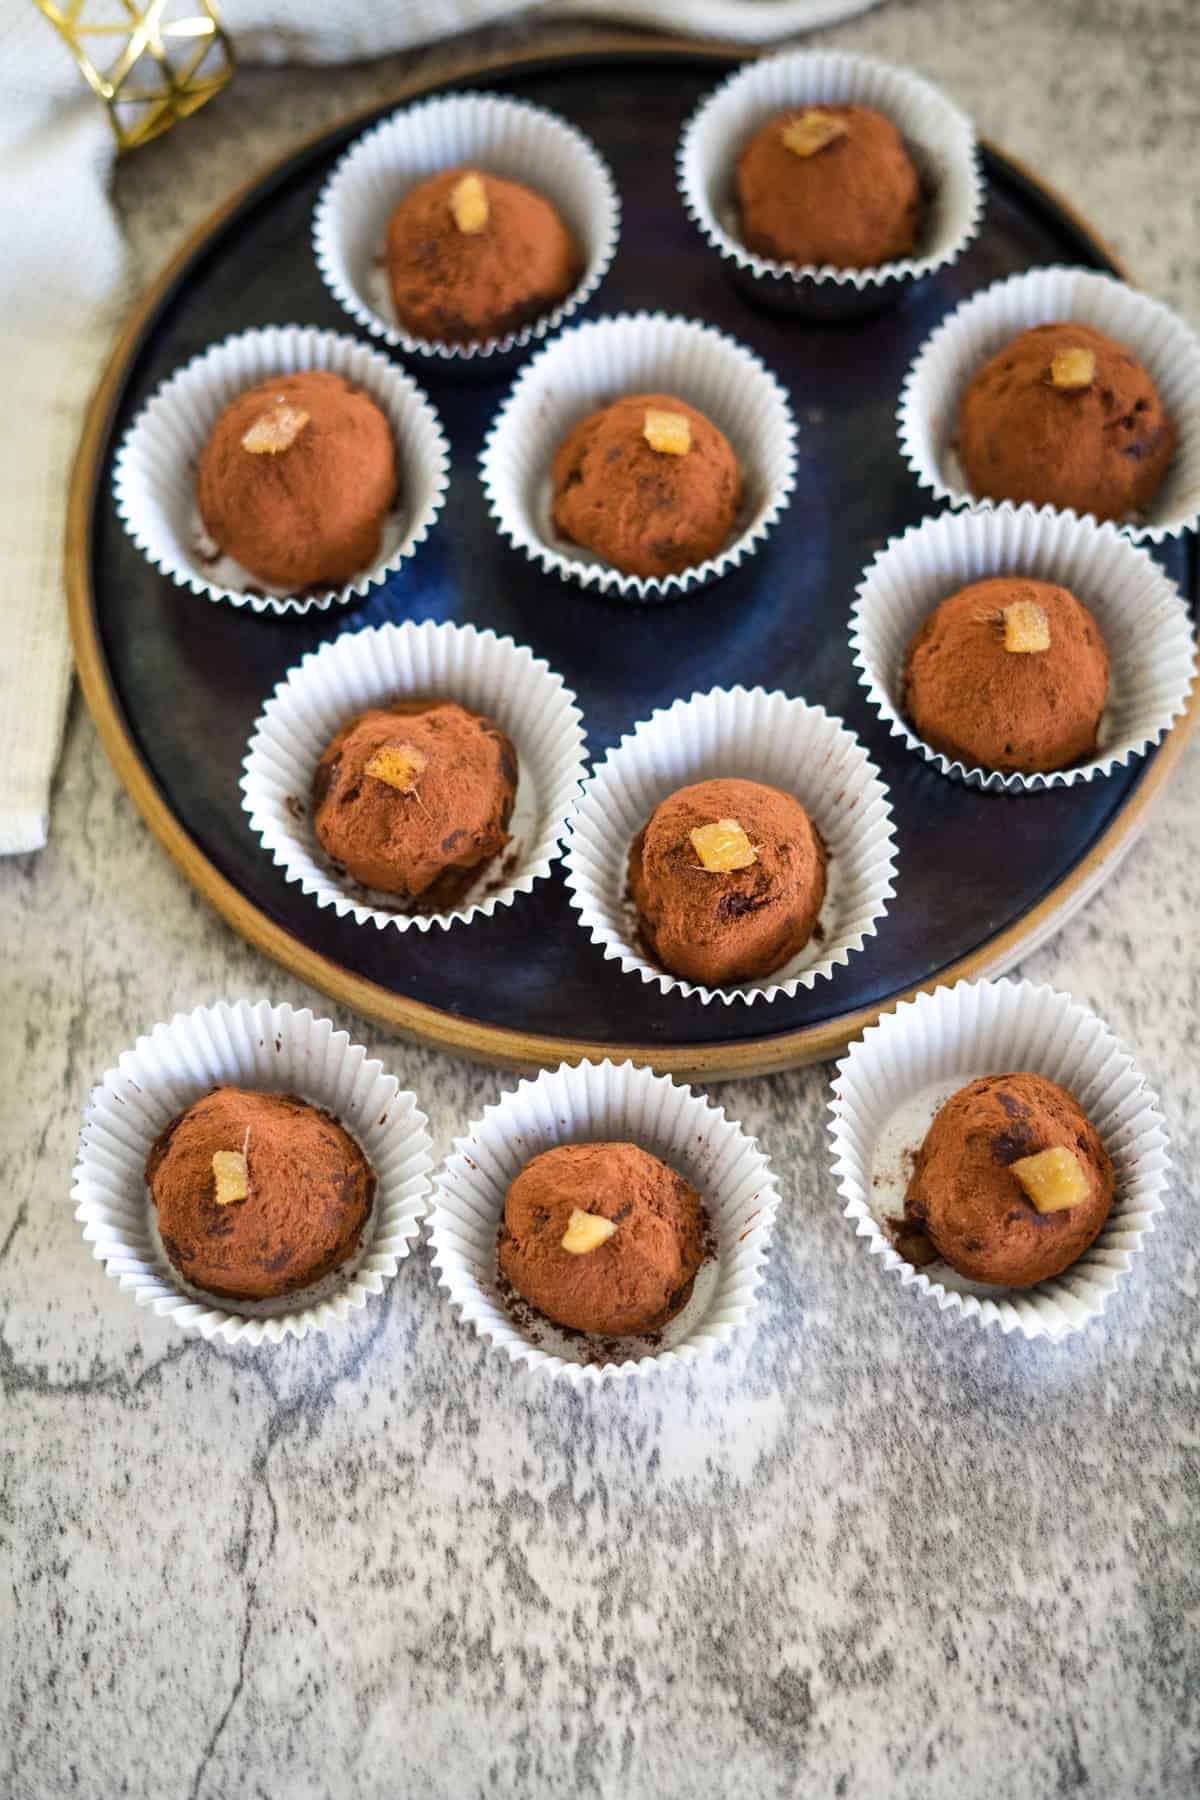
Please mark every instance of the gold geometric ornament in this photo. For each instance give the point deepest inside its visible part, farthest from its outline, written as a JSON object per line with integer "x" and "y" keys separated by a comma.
{"x": 150, "y": 63}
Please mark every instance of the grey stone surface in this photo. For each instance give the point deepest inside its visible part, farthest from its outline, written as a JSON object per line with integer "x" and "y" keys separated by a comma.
{"x": 862, "y": 1555}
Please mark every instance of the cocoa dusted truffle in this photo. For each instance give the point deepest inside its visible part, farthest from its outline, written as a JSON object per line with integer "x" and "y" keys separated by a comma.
{"x": 1011, "y": 1184}
{"x": 648, "y": 483}
{"x": 415, "y": 799}
{"x": 472, "y": 256}
{"x": 602, "y": 1238}
{"x": 257, "y": 1194}
{"x": 728, "y": 879}
{"x": 296, "y": 480}
{"x": 1008, "y": 674}
{"x": 828, "y": 184}
{"x": 1065, "y": 416}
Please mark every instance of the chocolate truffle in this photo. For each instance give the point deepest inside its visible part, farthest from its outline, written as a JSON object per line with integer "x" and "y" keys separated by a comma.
{"x": 648, "y": 483}
{"x": 257, "y": 1194}
{"x": 1065, "y": 416}
{"x": 296, "y": 480}
{"x": 828, "y": 184}
{"x": 1008, "y": 674}
{"x": 415, "y": 799}
{"x": 602, "y": 1238}
{"x": 971, "y": 1196}
{"x": 728, "y": 878}
{"x": 471, "y": 256}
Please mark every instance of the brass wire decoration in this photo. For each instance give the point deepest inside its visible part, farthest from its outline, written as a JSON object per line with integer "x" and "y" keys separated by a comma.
{"x": 170, "y": 57}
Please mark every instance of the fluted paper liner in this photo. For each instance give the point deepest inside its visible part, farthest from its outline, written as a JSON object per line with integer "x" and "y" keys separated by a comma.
{"x": 940, "y": 139}
{"x": 759, "y": 736}
{"x": 483, "y": 672}
{"x": 604, "y": 1102}
{"x": 899, "y": 1073}
{"x": 277, "y": 1050}
{"x": 508, "y": 138}
{"x": 982, "y": 325}
{"x": 155, "y": 477}
{"x": 642, "y": 353}
{"x": 1138, "y": 608}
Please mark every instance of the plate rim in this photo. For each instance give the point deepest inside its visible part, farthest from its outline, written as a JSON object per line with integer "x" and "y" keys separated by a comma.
{"x": 504, "y": 1046}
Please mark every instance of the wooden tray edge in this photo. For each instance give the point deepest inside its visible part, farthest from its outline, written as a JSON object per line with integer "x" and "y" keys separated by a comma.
{"x": 498, "y": 1045}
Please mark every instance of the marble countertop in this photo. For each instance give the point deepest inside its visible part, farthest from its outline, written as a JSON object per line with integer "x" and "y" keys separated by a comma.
{"x": 863, "y": 1554}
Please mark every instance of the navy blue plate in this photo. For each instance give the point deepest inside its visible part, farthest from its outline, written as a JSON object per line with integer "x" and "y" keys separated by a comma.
{"x": 175, "y": 681}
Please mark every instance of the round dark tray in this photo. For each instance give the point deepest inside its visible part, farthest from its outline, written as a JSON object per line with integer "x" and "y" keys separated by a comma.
{"x": 176, "y": 682}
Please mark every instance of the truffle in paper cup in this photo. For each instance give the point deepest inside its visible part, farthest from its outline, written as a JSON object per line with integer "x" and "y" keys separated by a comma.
{"x": 589, "y": 1103}
{"x": 758, "y": 736}
{"x": 155, "y": 478}
{"x": 894, "y": 1079}
{"x": 939, "y": 139}
{"x": 485, "y": 673}
{"x": 641, "y": 353}
{"x": 509, "y": 138}
{"x": 1138, "y": 608}
{"x": 276, "y": 1050}
{"x": 1167, "y": 348}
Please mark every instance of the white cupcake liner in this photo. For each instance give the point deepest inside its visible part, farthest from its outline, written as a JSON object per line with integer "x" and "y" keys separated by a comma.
{"x": 758, "y": 736}
{"x": 361, "y": 669}
{"x": 155, "y": 477}
{"x": 638, "y": 353}
{"x": 509, "y": 138}
{"x": 1138, "y": 608}
{"x": 940, "y": 139}
{"x": 982, "y": 325}
{"x": 604, "y": 1102}
{"x": 277, "y": 1050}
{"x": 893, "y": 1080}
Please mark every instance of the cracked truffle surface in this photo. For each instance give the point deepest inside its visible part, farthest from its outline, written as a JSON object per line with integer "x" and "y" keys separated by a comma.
{"x": 310, "y": 1194}
{"x": 431, "y": 841}
{"x": 311, "y": 514}
{"x": 645, "y": 511}
{"x": 975, "y": 701}
{"x": 1101, "y": 449}
{"x": 854, "y": 203}
{"x": 965, "y": 1199}
{"x": 719, "y": 928}
{"x": 452, "y": 286}
{"x": 636, "y": 1280}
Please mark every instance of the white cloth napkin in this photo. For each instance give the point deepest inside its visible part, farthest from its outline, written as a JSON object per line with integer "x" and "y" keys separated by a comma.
{"x": 62, "y": 290}
{"x": 61, "y": 269}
